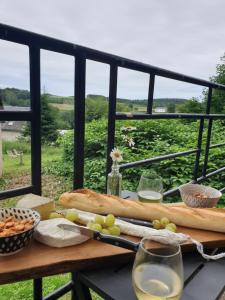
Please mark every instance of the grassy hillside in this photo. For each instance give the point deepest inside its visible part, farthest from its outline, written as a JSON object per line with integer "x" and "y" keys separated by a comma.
{"x": 62, "y": 106}
{"x": 17, "y": 97}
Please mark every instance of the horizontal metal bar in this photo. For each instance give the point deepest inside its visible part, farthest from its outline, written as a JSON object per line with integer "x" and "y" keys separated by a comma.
{"x": 222, "y": 190}
{"x": 28, "y": 38}
{"x": 211, "y": 174}
{"x": 216, "y": 145}
{"x": 60, "y": 291}
{"x": 15, "y": 115}
{"x": 16, "y": 192}
{"x": 200, "y": 179}
{"x": 157, "y": 158}
{"x": 144, "y": 116}
{"x": 17, "y": 35}
{"x": 171, "y": 192}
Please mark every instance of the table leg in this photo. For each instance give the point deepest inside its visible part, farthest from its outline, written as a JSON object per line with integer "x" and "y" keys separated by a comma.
{"x": 37, "y": 289}
{"x": 79, "y": 291}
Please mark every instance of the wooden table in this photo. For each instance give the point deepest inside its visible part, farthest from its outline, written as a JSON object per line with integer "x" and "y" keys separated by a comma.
{"x": 38, "y": 260}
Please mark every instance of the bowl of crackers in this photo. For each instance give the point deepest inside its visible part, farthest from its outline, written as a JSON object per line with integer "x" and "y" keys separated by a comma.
{"x": 197, "y": 195}
{"x": 16, "y": 229}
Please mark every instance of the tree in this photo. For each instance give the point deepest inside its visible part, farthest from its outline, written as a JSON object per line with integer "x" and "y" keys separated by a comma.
{"x": 10, "y": 97}
{"x": 191, "y": 106}
{"x": 171, "y": 108}
{"x": 95, "y": 108}
{"x": 218, "y": 96}
{"x": 48, "y": 121}
{"x": 66, "y": 119}
{"x": 49, "y": 132}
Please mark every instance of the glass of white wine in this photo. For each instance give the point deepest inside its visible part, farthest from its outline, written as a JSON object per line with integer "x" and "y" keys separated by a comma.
{"x": 158, "y": 273}
{"x": 150, "y": 187}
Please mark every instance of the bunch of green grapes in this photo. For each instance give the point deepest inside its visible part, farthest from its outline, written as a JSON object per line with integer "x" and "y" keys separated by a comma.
{"x": 105, "y": 225}
{"x": 164, "y": 223}
{"x": 69, "y": 215}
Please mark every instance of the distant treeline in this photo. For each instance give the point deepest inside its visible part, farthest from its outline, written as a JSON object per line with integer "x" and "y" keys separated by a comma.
{"x": 14, "y": 97}
{"x": 158, "y": 102}
{"x": 17, "y": 97}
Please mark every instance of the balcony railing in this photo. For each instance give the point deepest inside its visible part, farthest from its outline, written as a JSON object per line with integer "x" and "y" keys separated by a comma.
{"x": 36, "y": 43}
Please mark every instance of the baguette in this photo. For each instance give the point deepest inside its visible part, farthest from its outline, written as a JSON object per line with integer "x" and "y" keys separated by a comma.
{"x": 200, "y": 218}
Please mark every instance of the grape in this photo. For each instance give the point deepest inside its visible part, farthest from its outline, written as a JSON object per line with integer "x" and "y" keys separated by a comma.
{"x": 90, "y": 224}
{"x": 156, "y": 224}
{"x": 99, "y": 219}
{"x": 105, "y": 231}
{"x": 164, "y": 221}
{"x": 114, "y": 230}
{"x": 54, "y": 215}
{"x": 96, "y": 227}
{"x": 72, "y": 216}
{"x": 172, "y": 227}
{"x": 109, "y": 220}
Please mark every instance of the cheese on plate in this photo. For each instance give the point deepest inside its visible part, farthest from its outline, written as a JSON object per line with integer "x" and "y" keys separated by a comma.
{"x": 41, "y": 204}
{"x": 48, "y": 232}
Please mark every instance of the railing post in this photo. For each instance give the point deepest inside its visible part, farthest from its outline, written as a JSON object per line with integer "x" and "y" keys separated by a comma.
{"x": 79, "y": 121}
{"x": 199, "y": 149}
{"x": 207, "y": 147}
{"x": 35, "y": 96}
{"x": 37, "y": 289}
{"x": 111, "y": 113}
{"x": 209, "y": 100}
{"x": 151, "y": 93}
{"x": 208, "y": 108}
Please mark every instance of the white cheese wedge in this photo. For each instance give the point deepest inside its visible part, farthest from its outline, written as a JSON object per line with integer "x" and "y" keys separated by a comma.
{"x": 48, "y": 232}
{"x": 41, "y": 204}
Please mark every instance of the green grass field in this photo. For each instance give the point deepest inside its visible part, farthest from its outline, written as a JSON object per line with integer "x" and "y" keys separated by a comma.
{"x": 62, "y": 106}
{"x": 24, "y": 290}
{"x": 12, "y": 165}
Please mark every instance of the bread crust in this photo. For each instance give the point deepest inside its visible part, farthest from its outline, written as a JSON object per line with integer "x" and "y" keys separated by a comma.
{"x": 201, "y": 218}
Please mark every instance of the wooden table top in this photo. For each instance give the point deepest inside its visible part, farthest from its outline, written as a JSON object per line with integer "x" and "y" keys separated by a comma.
{"x": 38, "y": 260}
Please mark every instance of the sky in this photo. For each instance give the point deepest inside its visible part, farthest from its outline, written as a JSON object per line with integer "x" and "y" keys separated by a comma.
{"x": 184, "y": 36}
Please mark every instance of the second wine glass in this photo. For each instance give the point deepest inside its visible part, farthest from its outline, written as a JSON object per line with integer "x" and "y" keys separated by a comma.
{"x": 150, "y": 187}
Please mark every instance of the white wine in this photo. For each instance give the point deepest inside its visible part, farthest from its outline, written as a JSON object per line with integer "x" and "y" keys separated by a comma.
{"x": 149, "y": 196}
{"x": 156, "y": 282}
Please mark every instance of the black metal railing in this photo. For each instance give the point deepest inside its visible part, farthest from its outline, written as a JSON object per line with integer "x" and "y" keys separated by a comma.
{"x": 36, "y": 43}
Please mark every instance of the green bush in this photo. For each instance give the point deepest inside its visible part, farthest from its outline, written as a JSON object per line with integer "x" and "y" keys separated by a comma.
{"x": 152, "y": 138}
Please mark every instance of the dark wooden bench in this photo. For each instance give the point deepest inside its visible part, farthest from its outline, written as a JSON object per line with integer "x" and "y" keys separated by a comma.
{"x": 204, "y": 280}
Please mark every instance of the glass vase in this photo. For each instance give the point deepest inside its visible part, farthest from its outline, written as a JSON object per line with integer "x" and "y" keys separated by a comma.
{"x": 114, "y": 182}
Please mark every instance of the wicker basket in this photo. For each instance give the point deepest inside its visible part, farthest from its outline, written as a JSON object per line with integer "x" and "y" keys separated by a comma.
{"x": 197, "y": 195}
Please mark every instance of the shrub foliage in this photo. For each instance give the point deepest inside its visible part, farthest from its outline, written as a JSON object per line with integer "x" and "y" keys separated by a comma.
{"x": 152, "y": 138}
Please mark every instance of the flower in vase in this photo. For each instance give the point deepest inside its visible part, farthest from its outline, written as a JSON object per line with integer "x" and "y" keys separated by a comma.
{"x": 116, "y": 155}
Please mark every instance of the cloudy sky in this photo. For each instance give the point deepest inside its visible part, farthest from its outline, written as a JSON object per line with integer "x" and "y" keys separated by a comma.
{"x": 180, "y": 35}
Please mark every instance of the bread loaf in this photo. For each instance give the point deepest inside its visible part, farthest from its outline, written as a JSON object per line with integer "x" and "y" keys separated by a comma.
{"x": 201, "y": 218}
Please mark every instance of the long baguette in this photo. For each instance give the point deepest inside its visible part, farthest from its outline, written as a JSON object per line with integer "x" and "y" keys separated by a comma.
{"x": 88, "y": 200}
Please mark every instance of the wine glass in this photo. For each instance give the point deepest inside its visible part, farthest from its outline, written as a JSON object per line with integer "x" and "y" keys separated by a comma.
{"x": 158, "y": 273}
{"x": 150, "y": 187}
